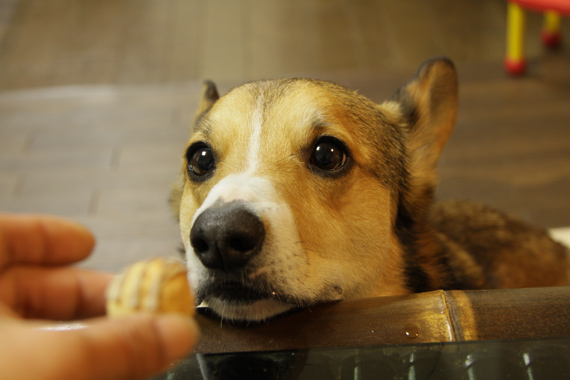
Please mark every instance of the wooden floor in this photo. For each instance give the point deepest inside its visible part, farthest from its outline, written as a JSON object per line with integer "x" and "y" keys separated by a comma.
{"x": 96, "y": 96}
{"x": 70, "y": 42}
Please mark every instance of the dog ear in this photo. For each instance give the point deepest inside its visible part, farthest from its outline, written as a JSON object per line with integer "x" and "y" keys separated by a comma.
{"x": 209, "y": 97}
{"x": 429, "y": 108}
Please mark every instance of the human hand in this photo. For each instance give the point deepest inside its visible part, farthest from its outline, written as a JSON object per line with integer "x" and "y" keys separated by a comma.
{"x": 36, "y": 284}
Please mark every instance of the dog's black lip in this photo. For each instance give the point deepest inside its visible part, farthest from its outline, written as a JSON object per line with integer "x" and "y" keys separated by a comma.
{"x": 234, "y": 292}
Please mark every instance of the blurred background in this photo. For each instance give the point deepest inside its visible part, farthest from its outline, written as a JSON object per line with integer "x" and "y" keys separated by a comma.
{"x": 96, "y": 97}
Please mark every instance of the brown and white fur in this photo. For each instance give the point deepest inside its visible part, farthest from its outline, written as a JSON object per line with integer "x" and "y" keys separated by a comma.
{"x": 298, "y": 191}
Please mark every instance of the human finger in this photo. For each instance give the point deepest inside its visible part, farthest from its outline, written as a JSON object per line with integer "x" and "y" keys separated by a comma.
{"x": 42, "y": 240}
{"x": 133, "y": 347}
{"x": 60, "y": 293}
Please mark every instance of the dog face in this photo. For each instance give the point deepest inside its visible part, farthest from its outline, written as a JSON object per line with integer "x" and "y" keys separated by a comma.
{"x": 292, "y": 189}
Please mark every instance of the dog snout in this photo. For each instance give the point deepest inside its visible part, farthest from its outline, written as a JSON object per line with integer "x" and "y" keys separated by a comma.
{"x": 227, "y": 236}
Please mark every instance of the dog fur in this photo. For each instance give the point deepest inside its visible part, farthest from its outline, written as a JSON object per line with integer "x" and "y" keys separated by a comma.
{"x": 358, "y": 220}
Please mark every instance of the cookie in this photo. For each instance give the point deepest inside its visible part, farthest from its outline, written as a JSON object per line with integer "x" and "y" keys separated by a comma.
{"x": 159, "y": 285}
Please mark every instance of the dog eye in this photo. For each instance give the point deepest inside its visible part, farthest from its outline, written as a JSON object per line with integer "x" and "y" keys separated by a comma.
{"x": 329, "y": 154}
{"x": 201, "y": 161}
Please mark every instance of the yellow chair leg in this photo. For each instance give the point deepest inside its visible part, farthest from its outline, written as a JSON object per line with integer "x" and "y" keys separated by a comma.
{"x": 515, "y": 62}
{"x": 550, "y": 33}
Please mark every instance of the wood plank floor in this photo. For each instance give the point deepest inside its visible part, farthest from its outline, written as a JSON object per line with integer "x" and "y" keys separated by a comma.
{"x": 96, "y": 97}
{"x": 70, "y": 42}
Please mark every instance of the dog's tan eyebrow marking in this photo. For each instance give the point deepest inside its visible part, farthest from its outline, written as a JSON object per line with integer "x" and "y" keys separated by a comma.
{"x": 203, "y": 125}
{"x": 319, "y": 125}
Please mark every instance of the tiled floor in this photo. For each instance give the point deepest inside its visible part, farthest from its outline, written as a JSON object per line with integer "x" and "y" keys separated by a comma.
{"x": 93, "y": 121}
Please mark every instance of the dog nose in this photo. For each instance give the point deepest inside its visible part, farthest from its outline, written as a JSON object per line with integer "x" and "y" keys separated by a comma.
{"x": 226, "y": 237}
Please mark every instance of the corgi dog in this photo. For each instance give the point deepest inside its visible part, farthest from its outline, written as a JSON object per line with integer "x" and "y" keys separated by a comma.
{"x": 298, "y": 191}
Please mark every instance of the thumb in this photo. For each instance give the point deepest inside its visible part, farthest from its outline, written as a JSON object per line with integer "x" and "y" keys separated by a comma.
{"x": 133, "y": 347}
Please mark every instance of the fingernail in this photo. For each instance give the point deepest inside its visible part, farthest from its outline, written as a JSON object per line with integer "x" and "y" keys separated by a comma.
{"x": 64, "y": 326}
{"x": 179, "y": 335}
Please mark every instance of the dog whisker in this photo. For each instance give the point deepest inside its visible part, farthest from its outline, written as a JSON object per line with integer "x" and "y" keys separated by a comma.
{"x": 222, "y": 314}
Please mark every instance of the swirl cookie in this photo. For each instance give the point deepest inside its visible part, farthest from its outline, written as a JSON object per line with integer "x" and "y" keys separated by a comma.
{"x": 158, "y": 285}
